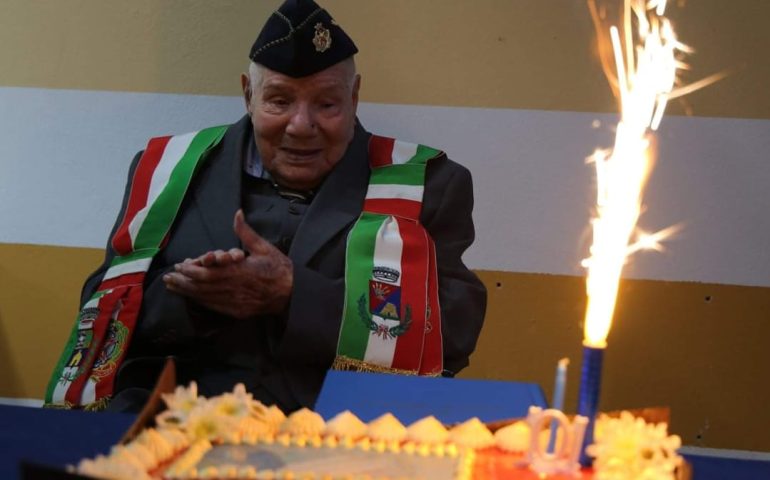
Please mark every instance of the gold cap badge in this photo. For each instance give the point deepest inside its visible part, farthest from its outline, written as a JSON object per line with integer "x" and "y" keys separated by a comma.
{"x": 322, "y": 39}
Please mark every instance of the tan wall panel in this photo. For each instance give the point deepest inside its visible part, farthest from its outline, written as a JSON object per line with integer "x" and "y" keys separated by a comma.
{"x": 699, "y": 348}
{"x": 39, "y": 296}
{"x": 533, "y": 54}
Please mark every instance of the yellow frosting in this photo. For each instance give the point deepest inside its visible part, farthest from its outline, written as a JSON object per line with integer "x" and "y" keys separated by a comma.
{"x": 209, "y": 423}
{"x": 472, "y": 434}
{"x": 386, "y": 428}
{"x": 186, "y": 462}
{"x": 156, "y": 443}
{"x": 513, "y": 437}
{"x": 274, "y": 417}
{"x": 113, "y": 468}
{"x": 251, "y": 427}
{"x": 135, "y": 453}
{"x": 176, "y": 438}
{"x": 427, "y": 430}
{"x": 303, "y": 422}
{"x": 345, "y": 424}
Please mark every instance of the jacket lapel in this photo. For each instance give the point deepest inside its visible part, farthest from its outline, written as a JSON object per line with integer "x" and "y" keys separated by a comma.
{"x": 337, "y": 203}
{"x": 218, "y": 194}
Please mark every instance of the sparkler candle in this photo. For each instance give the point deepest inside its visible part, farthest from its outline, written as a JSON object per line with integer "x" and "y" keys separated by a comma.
{"x": 646, "y": 73}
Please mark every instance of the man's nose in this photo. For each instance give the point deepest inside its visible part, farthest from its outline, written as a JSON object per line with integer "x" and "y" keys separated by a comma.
{"x": 302, "y": 122}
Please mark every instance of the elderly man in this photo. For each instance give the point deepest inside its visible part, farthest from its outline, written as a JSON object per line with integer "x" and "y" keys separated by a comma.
{"x": 273, "y": 249}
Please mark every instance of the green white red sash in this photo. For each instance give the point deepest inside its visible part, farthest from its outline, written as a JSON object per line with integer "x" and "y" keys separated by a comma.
{"x": 391, "y": 319}
{"x": 85, "y": 374}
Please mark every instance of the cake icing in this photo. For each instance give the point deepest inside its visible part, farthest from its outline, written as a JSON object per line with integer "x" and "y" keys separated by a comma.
{"x": 514, "y": 437}
{"x": 427, "y": 430}
{"x": 386, "y": 428}
{"x": 234, "y": 437}
{"x": 303, "y": 422}
{"x": 472, "y": 434}
{"x": 346, "y": 425}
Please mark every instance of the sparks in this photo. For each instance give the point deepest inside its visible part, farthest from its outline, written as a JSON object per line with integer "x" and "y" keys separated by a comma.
{"x": 646, "y": 76}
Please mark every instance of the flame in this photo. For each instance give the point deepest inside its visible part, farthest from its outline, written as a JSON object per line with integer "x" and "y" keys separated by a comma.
{"x": 646, "y": 76}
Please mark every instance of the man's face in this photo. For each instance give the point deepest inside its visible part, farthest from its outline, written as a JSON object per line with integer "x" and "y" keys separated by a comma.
{"x": 302, "y": 126}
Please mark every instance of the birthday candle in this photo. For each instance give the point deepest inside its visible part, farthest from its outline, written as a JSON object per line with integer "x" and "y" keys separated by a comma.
{"x": 557, "y": 403}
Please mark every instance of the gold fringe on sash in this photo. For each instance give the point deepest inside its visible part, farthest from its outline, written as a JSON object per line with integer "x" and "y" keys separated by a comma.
{"x": 59, "y": 406}
{"x": 342, "y": 362}
{"x": 96, "y": 406}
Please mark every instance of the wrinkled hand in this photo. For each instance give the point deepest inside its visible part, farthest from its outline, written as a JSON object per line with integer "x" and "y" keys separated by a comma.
{"x": 237, "y": 283}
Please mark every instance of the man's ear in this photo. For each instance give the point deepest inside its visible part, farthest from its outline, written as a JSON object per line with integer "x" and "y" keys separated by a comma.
{"x": 356, "y": 88}
{"x": 246, "y": 87}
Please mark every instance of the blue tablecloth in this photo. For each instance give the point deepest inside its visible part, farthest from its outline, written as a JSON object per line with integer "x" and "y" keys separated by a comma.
{"x": 58, "y": 437}
{"x": 55, "y": 437}
{"x": 451, "y": 400}
{"x": 716, "y": 464}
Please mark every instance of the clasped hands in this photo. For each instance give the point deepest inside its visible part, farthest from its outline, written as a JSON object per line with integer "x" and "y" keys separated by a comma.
{"x": 240, "y": 283}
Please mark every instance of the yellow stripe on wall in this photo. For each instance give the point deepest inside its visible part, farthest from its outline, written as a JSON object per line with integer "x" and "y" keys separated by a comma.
{"x": 690, "y": 346}
{"x": 528, "y": 54}
{"x": 697, "y": 348}
{"x": 39, "y": 299}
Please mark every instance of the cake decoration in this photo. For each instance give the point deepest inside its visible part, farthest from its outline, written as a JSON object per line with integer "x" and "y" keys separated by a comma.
{"x": 472, "y": 434}
{"x": 346, "y": 425}
{"x": 627, "y": 447}
{"x": 563, "y": 459}
{"x": 150, "y": 449}
{"x": 112, "y": 467}
{"x": 427, "y": 430}
{"x": 514, "y": 437}
{"x": 179, "y": 405}
{"x": 303, "y": 422}
{"x": 233, "y": 437}
{"x": 386, "y": 428}
{"x": 274, "y": 417}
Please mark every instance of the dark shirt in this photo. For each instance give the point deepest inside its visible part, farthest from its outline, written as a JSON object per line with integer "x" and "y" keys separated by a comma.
{"x": 273, "y": 212}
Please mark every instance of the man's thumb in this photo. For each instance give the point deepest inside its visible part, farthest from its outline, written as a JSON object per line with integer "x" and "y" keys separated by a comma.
{"x": 251, "y": 240}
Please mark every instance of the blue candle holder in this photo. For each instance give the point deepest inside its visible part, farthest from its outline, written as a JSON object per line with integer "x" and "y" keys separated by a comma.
{"x": 588, "y": 396}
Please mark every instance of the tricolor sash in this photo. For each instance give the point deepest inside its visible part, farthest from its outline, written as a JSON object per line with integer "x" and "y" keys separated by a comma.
{"x": 391, "y": 318}
{"x": 85, "y": 374}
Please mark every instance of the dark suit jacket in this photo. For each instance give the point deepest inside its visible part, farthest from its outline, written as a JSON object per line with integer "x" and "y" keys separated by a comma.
{"x": 283, "y": 359}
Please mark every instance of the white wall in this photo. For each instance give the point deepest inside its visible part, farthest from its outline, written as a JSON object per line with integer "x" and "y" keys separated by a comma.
{"x": 64, "y": 155}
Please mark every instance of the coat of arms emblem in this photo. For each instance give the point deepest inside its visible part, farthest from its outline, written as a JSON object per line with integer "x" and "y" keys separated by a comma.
{"x": 322, "y": 39}
{"x": 383, "y": 317}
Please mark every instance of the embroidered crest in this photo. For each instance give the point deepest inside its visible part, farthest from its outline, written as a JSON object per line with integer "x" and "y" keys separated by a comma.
{"x": 385, "y": 328}
{"x": 108, "y": 356}
{"x": 384, "y": 300}
{"x": 81, "y": 347}
{"x": 386, "y": 274}
{"x": 322, "y": 38}
{"x": 73, "y": 368}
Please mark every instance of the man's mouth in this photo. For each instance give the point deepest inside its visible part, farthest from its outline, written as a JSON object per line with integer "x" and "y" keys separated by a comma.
{"x": 301, "y": 153}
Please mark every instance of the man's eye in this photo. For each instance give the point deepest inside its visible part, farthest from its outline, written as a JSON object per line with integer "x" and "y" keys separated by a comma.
{"x": 278, "y": 102}
{"x": 327, "y": 106}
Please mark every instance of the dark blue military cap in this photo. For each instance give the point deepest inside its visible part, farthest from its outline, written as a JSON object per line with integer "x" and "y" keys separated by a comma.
{"x": 300, "y": 39}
